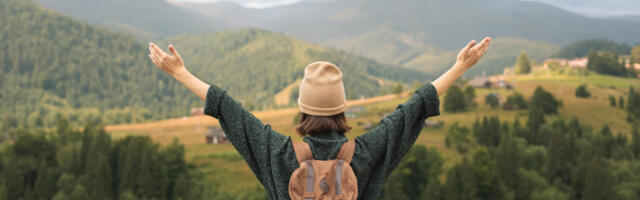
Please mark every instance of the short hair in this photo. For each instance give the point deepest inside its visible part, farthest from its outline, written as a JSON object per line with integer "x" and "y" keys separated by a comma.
{"x": 319, "y": 124}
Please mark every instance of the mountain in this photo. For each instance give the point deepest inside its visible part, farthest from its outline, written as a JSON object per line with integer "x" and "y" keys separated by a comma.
{"x": 255, "y": 64}
{"x": 59, "y": 66}
{"x": 416, "y": 33}
{"x": 145, "y": 19}
{"x": 444, "y": 23}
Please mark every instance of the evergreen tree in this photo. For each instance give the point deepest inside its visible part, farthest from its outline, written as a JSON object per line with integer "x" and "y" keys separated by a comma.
{"x": 606, "y": 63}
{"x": 488, "y": 131}
{"x": 470, "y": 93}
{"x": 563, "y": 151}
{"x": 523, "y": 65}
{"x": 4, "y": 194}
{"x": 508, "y": 162}
{"x": 45, "y": 185}
{"x": 517, "y": 101}
{"x": 61, "y": 196}
{"x": 599, "y": 181}
{"x": 621, "y": 102}
{"x": 79, "y": 193}
{"x": 433, "y": 191}
{"x": 66, "y": 183}
{"x": 492, "y": 100}
{"x": 536, "y": 119}
{"x": 545, "y": 101}
{"x": 455, "y": 100}
{"x": 582, "y": 92}
{"x": 635, "y": 140}
{"x": 414, "y": 172}
{"x": 612, "y": 101}
{"x": 488, "y": 184}
{"x": 461, "y": 182}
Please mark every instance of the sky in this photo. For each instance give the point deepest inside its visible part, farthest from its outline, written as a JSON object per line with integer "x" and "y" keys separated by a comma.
{"x": 596, "y": 8}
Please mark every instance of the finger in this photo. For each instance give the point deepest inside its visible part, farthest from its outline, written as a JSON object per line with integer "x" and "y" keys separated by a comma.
{"x": 157, "y": 50}
{"x": 481, "y": 45}
{"x": 485, "y": 42}
{"x": 174, "y": 51}
{"x": 154, "y": 60}
{"x": 486, "y": 45}
{"x": 471, "y": 44}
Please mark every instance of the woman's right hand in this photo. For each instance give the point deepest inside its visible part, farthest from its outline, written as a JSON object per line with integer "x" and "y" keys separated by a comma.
{"x": 171, "y": 64}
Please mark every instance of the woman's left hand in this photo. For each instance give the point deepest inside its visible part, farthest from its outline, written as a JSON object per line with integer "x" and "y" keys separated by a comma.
{"x": 472, "y": 53}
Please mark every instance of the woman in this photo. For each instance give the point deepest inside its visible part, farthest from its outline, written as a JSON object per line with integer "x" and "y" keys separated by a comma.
{"x": 270, "y": 155}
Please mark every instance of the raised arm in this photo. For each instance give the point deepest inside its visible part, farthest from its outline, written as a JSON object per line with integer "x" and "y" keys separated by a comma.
{"x": 468, "y": 56}
{"x": 384, "y": 146}
{"x": 174, "y": 66}
{"x": 248, "y": 134}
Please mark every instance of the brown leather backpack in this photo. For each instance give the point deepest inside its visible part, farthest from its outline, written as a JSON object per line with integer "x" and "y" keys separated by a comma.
{"x": 323, "y": 179}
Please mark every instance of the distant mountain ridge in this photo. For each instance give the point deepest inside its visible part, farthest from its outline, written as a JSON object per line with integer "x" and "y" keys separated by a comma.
{"x": 145, "y": 19}
{"x": 444, "y": 22}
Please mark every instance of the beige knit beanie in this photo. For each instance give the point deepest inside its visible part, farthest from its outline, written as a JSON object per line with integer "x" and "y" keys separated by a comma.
{"x": 321, "y": 90}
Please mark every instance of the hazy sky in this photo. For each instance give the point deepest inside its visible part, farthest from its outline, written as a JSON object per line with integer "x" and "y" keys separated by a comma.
{"x": 587, "y": 7}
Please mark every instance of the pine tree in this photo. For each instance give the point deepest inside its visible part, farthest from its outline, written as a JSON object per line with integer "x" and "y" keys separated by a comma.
{"x": 621, "y": 102}
{"x": 470, "y": 94}
{"x": 582, "y": 92}
{"x": 536, "y": 119}
{"x": 488, "y": 184}
{"x": 433, "y": 191}
{"x": 612, "y": 101}
{"x": 455, "y": 100}
{"x": 79, "y": 193}
{"x": 599, "y": 181}
{"x": 461, "y": 182}
{"x": 61, "y": 196}
{"x": 508, "y": 161}
{"x": 492, "y": 100}
{"x": 635, "y": 140}
{"x": 45, "y": 185}
{"x": 545, "y": 101}
{"x": 4, "y": 194}
{"x": 523, "y": 65}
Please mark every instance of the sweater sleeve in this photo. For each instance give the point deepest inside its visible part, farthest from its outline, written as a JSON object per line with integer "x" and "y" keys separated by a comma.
{"x": 385, "y": 146}
{"x": 251, "y": 138}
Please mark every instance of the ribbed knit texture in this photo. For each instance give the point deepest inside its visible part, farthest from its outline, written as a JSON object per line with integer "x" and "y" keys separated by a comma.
{"x": 270, "y": 154}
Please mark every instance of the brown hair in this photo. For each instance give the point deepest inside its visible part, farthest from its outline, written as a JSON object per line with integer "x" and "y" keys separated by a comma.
{"x": 310, "y": 124}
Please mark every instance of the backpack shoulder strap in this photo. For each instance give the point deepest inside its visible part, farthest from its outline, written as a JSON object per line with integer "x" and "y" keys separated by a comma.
{"x": 302, "y": 150}
{"x": 346, "y": 152}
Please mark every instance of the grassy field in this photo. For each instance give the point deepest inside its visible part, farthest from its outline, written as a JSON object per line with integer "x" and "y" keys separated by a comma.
{"x": 223, "y": 165}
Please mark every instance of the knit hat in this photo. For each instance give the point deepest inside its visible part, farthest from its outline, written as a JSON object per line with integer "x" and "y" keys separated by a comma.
{"x": 321, "y": 90}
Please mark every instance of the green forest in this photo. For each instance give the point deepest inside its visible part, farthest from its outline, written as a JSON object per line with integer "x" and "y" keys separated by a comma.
{"x": 67, "y": 163}
{"x": 56, "y": 66}
{"x": 533, "y": 159}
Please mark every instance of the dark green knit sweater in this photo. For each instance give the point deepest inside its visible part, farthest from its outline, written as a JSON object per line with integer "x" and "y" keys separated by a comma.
{"x": 271, "y": 157}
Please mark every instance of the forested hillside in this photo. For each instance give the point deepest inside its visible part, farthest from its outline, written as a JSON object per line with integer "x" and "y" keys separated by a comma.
{"x": 255, "y": 64}
{"x": 58, "y": 66}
